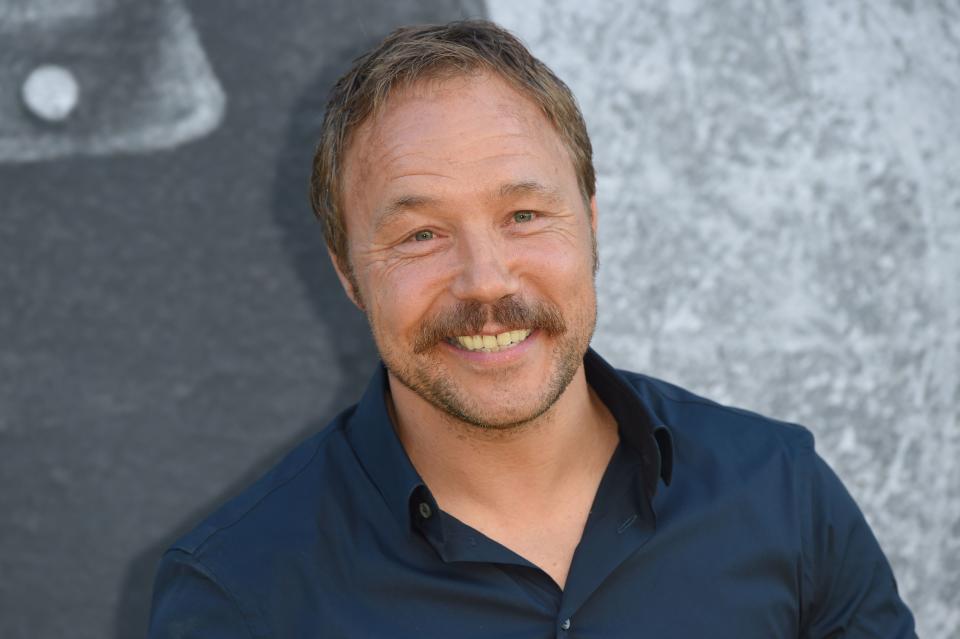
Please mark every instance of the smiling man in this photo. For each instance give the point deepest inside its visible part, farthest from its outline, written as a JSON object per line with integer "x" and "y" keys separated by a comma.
{"x": 498, "y": 478}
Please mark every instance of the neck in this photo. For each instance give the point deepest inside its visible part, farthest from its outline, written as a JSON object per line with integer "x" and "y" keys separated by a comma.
{"x": 522, "y": 468}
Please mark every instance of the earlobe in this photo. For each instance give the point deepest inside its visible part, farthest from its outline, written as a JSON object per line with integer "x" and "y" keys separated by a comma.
{"x": 347, "y": 281}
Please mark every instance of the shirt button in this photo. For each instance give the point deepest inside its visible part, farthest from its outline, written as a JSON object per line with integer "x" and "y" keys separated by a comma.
{"x": 565, "y": 624}
{"x": 425, "y": 510}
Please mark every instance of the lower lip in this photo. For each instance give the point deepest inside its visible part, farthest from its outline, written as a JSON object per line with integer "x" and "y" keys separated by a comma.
{"x": 505, "y": 356}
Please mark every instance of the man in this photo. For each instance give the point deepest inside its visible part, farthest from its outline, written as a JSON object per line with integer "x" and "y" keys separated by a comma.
{"x": 498, "y": 478}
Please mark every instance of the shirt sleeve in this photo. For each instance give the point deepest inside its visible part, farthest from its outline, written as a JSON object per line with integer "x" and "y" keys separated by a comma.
{"x": 850, "y": 588}
{"x": 189, "y": 602}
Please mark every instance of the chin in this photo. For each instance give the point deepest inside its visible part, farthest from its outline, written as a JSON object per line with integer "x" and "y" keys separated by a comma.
{"x": 500, "y": 420}
{"x": 458, "y": 398}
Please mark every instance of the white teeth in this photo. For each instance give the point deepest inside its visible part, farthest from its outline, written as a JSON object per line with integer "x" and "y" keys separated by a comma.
{"x": 491, "y": 343}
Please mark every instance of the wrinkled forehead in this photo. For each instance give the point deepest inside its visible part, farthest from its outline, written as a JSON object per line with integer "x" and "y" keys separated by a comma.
{"x": 446, "y": 116}
{"x": 448, "y": 94}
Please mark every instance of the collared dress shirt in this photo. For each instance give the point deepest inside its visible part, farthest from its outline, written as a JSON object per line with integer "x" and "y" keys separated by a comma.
{"x": 709, "y": 522}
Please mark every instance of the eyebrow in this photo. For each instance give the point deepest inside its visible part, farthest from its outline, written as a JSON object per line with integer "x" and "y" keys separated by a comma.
{"x": 405, "y": 203}
{"x": 400, "y": 206}
{"x": 530, "y": 187}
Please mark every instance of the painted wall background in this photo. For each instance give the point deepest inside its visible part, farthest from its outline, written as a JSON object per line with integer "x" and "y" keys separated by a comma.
{"x": 170, "y": 324}
{"x": 779, "y": 189}
{"x": 780, "y": 229}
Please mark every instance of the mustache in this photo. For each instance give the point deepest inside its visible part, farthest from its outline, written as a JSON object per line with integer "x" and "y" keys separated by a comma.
{"x": 469, "y": 318}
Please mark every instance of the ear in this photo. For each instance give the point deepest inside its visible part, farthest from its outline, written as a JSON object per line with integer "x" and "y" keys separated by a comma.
{"x": 593, "y": 214}
{"x": 348, "y": 283}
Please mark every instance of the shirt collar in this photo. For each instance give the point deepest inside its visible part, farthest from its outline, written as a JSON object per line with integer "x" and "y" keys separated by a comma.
{"x": 640, "y": 426}
{"x": 371, "y": 433}
{"x": 376, "y": 444}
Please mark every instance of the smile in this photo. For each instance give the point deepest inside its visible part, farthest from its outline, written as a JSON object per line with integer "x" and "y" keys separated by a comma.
{"x": 490, "y": 343}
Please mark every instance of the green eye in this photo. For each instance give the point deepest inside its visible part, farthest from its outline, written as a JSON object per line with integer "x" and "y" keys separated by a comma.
{"x": 523, "y": 216}
{"x": 422, "y": 236}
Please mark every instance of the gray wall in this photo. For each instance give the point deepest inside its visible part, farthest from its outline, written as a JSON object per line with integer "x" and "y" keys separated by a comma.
{"x": 779, "y": 189}
{"x": 169, "y": 320}
{"x": 780, "y": 224}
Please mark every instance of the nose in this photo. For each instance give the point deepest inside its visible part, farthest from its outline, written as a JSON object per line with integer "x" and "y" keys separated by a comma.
{"x": 487, "y": 270}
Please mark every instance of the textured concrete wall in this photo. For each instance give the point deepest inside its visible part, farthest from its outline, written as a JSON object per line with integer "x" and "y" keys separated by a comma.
{"x": 779, "y": 187}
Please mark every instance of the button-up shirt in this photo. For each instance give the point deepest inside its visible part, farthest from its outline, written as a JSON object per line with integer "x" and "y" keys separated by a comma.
{"x": 708, "y": 522}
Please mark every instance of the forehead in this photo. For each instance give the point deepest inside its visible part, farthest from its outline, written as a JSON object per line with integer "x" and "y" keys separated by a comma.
{"x": 469, "y": 102}
{"x": 456, "y": 133}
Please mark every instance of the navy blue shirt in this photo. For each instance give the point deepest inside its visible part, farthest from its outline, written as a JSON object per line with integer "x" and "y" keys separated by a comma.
{"x": 708, "y": 522}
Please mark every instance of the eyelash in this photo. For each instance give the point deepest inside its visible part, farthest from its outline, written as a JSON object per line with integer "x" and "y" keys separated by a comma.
{"x": 532, "y": 216}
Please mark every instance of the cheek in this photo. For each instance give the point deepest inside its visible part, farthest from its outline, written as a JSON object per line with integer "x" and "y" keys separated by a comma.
{"x": 566, "y": 264}
{"x": 402, "y": 293}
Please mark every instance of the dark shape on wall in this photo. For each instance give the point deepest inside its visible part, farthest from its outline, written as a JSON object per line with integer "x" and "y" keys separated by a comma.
{"x": 170, "y": 322}
{"x": 102, "y": 76}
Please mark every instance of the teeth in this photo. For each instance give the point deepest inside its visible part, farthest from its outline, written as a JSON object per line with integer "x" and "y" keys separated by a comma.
{"x": 491, "y": 343}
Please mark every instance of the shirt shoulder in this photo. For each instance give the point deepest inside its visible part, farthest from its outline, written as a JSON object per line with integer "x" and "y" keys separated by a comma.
{"x": 265, "y": 555}
{"x": 744, "y": 476}
{"x": 691, "y": 416}
{"x": 273, "y": 502}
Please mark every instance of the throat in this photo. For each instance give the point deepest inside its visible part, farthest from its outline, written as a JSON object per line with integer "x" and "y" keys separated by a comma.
{"x": 530, "y": 490}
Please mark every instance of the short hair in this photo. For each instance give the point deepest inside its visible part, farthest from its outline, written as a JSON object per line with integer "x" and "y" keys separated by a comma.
{"x": 414, "y": 53}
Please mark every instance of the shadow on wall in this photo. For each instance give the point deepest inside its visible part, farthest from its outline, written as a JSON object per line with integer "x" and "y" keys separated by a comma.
{"x": 303, "y": 235}
{"x": 353, "y": 346}
{"x": 353, "y": 350}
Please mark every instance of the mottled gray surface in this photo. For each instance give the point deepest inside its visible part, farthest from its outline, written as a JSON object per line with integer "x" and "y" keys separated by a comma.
{"x": 169, "y": 321}
{"x": 779, "y": 187}
{"x": 142, "y": 78}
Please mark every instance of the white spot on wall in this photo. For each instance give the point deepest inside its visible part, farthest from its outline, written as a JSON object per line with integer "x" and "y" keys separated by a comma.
{"x": 51, "y": 93}
{"x": 116, "y": 76}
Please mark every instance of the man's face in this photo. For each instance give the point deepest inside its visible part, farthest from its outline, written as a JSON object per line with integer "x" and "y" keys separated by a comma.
{"x": 472, "y": 249}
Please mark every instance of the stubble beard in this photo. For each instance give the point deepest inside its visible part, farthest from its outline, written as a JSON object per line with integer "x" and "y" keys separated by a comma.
{"x": 423, "y": 373}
